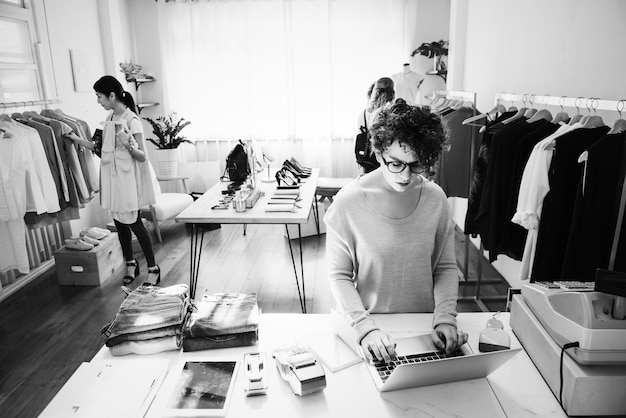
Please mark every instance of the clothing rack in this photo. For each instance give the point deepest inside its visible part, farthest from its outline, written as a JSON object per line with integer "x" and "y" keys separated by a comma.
{"x": 41, "y": 242}
{"x": 469, "y": 96}
{"x": 592, "y": 104}
{"x": 28, "y": 103}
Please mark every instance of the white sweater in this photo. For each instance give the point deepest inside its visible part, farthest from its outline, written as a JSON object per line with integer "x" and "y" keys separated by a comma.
{"x": 382, "y": 265}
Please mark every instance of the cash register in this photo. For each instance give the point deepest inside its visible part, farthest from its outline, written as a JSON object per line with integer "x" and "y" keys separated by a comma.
{"x": 570, "y": 331}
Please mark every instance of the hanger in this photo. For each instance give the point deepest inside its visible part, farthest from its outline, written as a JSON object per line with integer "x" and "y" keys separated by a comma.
{"x": 561, "y": 116}
{"x": 520, "y": 112}
{"x": 594, "y": 121}
{"x": 543, "y": 113}
{"x": 36, "y": 116}
{"x": 577, "y": 117}
{"x": 498, "y": 108}
{"x": 620, "y": 125}
{"x": 531, "y": 111}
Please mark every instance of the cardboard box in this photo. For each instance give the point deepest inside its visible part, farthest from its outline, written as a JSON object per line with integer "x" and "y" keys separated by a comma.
{"x": 92, "y": 267}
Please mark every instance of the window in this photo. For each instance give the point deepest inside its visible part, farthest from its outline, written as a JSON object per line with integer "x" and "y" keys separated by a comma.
{"x": 20, "y": 75}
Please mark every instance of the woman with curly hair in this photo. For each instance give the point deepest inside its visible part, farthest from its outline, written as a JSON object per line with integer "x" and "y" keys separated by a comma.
{"x": 390, "y": 235}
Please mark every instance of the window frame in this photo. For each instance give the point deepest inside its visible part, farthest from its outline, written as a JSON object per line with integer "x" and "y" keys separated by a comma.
{"x": 40, "y": 56}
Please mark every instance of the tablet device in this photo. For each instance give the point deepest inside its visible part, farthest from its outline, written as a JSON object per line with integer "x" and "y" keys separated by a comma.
{"x": 198, "y": 387}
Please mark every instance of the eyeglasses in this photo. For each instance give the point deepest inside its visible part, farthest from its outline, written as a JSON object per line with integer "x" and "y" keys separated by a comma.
{"x": 398, "y": 166}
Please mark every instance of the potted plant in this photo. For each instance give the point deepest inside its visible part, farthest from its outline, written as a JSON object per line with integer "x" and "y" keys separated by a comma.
{"x": 167, "y": 130}
{"x": 434, "y": 50}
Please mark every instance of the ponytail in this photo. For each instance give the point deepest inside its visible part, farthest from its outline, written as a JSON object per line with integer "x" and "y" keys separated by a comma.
{"x": 128, "y": 100}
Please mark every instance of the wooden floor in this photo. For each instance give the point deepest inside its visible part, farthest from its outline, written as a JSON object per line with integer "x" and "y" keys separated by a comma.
{"x": 46, "y": 330}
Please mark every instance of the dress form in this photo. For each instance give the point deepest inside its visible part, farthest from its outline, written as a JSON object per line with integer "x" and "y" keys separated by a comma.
{"x": 406, "y": 84}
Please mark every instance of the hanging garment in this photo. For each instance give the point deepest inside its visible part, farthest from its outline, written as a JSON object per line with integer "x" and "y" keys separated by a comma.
{"x": 454, "y": 170}
{"x": 513, "y": 236}
{"x": 533, "y": 188}
{"x": 492, "y": 214}
{"x": 480, "y": 172}
{"x": 71, "y": 190}
{"x": 16, "y": 166}
{"x": 43, "y": 196}
{"x": 594, "y": 216}
{"x": 556, "y": 216}
{"x": 52, "y": 156}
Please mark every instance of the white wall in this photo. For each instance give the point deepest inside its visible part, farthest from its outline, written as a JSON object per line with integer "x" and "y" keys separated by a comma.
{"x": 559, "y": 47}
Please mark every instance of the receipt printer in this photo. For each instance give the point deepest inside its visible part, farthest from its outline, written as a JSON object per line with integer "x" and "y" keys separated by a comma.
{"x": 301, "y": 370}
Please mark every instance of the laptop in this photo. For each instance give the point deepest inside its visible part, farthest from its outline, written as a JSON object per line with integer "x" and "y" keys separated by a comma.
{"x": 421, "y": 363}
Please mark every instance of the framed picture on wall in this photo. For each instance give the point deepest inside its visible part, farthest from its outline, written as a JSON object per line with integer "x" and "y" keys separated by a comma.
{"x": 81, "y": 71}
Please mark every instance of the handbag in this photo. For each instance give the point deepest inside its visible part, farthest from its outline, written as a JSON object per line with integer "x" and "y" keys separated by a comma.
{"x": 363, "y": 150}
{"x": 97, "y": 142}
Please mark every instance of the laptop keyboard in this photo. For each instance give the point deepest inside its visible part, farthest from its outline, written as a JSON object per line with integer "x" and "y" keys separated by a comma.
{"x": 385, "y": 369}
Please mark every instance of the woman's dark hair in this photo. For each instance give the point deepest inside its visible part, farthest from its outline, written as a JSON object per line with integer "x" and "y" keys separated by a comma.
{"x": 417, "y": 129}
{"x": 108, "y": 84}
{"x": 383, "y": 93}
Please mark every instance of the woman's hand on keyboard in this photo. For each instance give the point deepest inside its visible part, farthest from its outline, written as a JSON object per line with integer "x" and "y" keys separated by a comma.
{"x": 447, "y": 338}
{"x": 378, "y": 346}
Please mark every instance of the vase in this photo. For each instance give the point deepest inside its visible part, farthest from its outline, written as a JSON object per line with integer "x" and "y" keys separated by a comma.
{"x": 166, "y": 162}
{"x": 436, "y": 59}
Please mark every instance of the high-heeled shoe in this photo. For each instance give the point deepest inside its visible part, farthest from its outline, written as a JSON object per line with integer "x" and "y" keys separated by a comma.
{"x": 154, "y": 276}
{"x": 132, "y": 271}
{"x": 296, "y": 171}
{"x": 300, "y": 166}
{"x": 290, "y": 175}
{"x": 283, "y": 180}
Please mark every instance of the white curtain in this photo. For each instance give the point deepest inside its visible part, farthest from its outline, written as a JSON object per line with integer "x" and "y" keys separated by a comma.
{"x": 292, "y": 71}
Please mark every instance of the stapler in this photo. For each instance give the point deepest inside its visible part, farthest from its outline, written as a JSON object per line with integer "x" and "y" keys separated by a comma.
{"x": 301, "y": 370}
{"x": 256, "y": 374}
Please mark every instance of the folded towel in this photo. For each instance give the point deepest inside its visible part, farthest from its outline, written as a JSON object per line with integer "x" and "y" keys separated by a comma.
{"x": 280, "y": 208}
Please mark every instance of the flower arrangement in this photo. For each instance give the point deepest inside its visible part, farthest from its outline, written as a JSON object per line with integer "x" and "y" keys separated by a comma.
{"x": 131, "y": 71}
{"x": 167, "y": 129}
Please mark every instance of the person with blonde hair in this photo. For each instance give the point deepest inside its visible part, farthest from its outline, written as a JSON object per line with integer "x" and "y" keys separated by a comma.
{"x": 382, "y": 93}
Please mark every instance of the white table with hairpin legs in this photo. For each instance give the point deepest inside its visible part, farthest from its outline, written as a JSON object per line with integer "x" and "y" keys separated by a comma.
{"x": 516, "y": 389}
{"x": 199, "y": 214}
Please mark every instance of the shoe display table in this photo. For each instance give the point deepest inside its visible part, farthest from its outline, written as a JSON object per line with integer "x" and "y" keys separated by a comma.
{"x": 200, "y": 213}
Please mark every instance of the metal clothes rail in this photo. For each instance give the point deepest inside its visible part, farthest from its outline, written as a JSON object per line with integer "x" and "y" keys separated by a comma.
{"x": 28, "y": 103}
{"x": 591, "y": 103}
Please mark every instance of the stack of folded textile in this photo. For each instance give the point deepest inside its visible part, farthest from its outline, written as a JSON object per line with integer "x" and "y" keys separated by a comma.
{"x": 150, "y": 320}
{"x": 222, "y": 320}
{"x": 284, "y": 199}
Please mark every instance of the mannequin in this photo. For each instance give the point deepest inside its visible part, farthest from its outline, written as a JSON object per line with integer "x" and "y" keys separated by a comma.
{"x": 407, "y": 83}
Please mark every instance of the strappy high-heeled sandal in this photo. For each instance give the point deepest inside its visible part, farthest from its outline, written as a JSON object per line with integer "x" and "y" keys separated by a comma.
{"x": 132, "y": 271}
{"x": 154, "y": 276}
